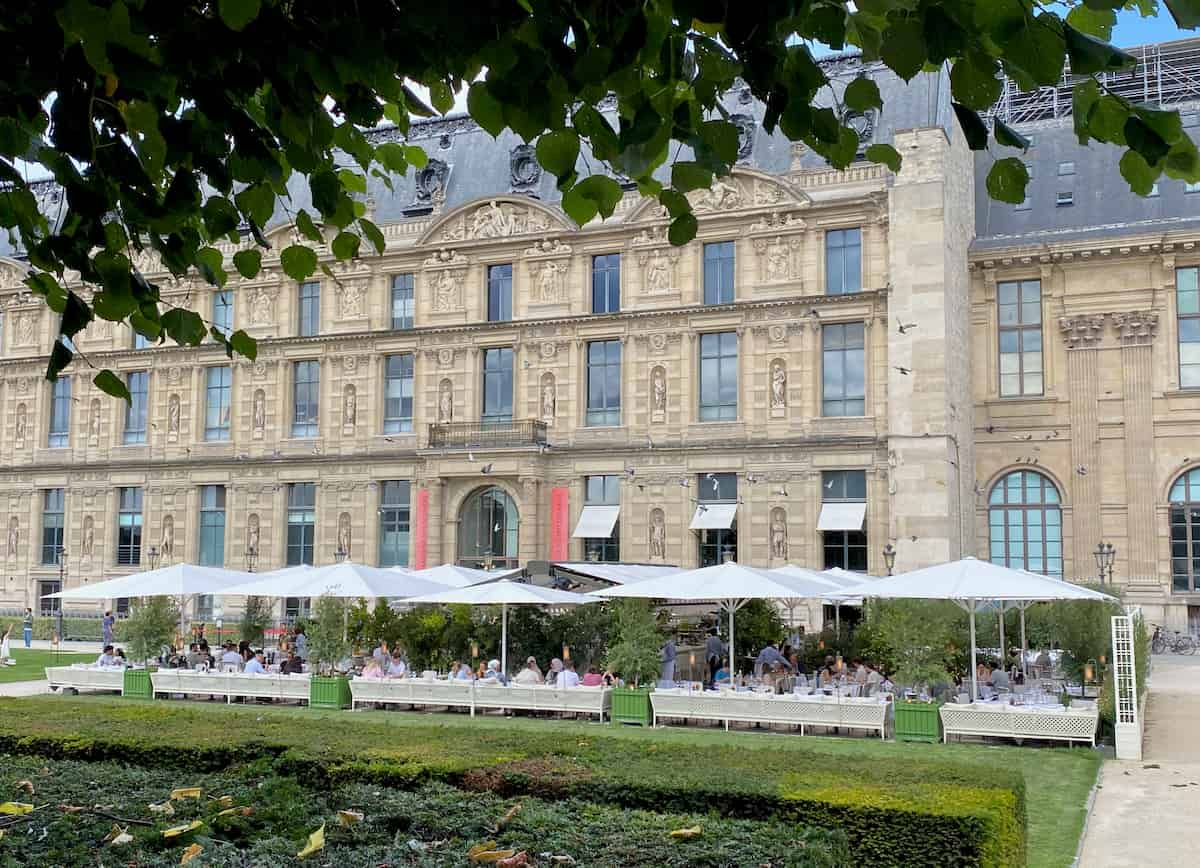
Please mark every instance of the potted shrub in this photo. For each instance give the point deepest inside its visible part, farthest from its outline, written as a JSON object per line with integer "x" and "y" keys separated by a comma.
{"x": 151, "y": 624}
{"x": 636, "y": 656}
{"x": 916, "y": 635}
{"x": 327, "y": 647}
{"x": 256, "y": 618}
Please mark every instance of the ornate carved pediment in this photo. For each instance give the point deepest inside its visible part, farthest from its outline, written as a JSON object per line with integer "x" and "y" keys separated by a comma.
{"x": 778, "y": 258}
{"x": 1082, "y": 330}
{"x": 1136, "y": 326}
{"x": 12, "y": 274}
{"x": 776, "y": 222}
{"x": 741, "y": 189}
{"x": 443, "y": 356}
{"x": 548, "y": 247}
{"x": 658, "y": 342}
{"x": 778, "y": 333}
{"x": 545, "y": 352}
{"x": 501, "y": 217}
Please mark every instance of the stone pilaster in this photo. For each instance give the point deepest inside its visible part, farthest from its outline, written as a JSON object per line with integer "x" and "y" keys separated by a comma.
{"x": 1136, "y": 331}
{"x": 1082, "y": 335}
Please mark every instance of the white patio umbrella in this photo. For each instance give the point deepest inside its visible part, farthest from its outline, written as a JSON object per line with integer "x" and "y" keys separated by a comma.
{"x": 969, "y": 583}
{"x": 346, "y": 580}
{"x": 730, "y": 584}
{"x": 807, "y": 575}
{"x": 613, "y": 573}
{"x": 177, "y": 580}
{"x": 505, "y": 593}
{"x": 845, "y": 579}
{"x": 455, "y": 576}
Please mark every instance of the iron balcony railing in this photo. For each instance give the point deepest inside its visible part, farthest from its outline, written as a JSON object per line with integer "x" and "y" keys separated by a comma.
{"x": 481, "y": 435}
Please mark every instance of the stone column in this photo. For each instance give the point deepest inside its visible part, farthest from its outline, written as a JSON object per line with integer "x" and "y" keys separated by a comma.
{"x": 1136, "y": 331}
{"x": 436, "y": 552}
{"x": 530, "y": 542}
{"x": 1082, "y": 335}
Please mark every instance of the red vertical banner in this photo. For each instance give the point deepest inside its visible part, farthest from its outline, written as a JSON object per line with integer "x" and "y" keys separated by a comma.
{"x": 560, "y": 515}
{"x": 421, "y": 530}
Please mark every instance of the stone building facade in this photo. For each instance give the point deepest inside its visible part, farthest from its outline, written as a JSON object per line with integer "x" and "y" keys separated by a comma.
{"x": 826, "y": 369}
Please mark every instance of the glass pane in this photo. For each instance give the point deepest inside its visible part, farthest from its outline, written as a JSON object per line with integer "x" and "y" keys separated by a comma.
{"x": 1010, "y": 341}
{"x": 1006, "y": 293}
{"x": 1009, "y": 314}
{"x": 1010, "y": 363}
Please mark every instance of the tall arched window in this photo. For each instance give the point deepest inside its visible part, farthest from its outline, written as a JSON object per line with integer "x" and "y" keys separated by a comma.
{"x": 1185, "y": 531}
{"x": 487, "y": 529}
{"x": 1025, "y": 523}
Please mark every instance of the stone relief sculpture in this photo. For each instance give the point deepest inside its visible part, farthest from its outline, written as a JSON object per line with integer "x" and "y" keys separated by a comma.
{"x": 261, "y": 306}
{"x": 343, "y": 537}
{"x": 658, "y": 272}
{"x": 779, "y": 540}
{"x": 493, "y": 220}
{"x": 658, "y": 534}
{"x": 446, "y": 401}
{"x": 724, "y": 195}
{"x": 549, "y": 399}
{"x": 88, "y": 547}
{"x": 167, "y": 544}
{"x": 350, "y": 298}
{"x": 549, "y": 283}
{"x": 14, "y": 535}
{"x": 778, "y": 385}
{"x": 260, "y": 413}
{"x": 173, "y": 417}
{"x": 658, "y": 392}
{"x": 21, "y": 425}
{"x": 349, "y": 407}
{"x": 94, "y": 422}
{"x": 252, "y": 532}
{"x": 25, "y": 328}
{"x": 447, "y": 291}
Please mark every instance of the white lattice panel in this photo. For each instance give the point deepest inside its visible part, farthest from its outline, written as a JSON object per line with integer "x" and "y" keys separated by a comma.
{"x": 85, "y": 679}
{"x": 1125, "y": 669}
{"x": 1004, "y": 721}
{"x": 793, "y": 710}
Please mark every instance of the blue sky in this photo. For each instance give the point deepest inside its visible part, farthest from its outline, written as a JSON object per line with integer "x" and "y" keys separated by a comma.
{"x": 1133, "y": 29}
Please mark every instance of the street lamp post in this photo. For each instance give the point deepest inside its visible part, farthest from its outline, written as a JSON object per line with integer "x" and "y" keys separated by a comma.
{"x": 889, "y": 557}
{"x": 62, "y": 586}
{"x": 152, "y": 556}
{"x": 1106, "y": 555}
{"x": 251, "y": 558}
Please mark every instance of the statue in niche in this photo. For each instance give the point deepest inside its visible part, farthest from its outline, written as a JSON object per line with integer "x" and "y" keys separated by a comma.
{"x": 173, "y": 416}
{"x": 779, "y": 540}
{"x": 658, "y": 272}
{"x": 14, "y": 535}
{"x": 658, "y": 534}
{"x": 252, "y": 533}
{"x": 548, "y": 281}
{"x": 22, "y": 424}
{"x": 343, "y": 536}
{"x": 778, "y": 261}
{"x": 94, "y": 422}
{"x": 167, "y": 545}
{"x": 446, "y": 402}
{"x": 89, "y": 536}
{"x": 778, "y": 385}
{"x": 260, "y": 413}
{"x": 351, "y": 298}
{"x": 445, "y": 291}
{"x": 893, "y": 463}
{"x": 261, "y": 313}
{"x": 548, "y": 398}
{"x": 658, "y": 389}
{"x": 349, "y": 406}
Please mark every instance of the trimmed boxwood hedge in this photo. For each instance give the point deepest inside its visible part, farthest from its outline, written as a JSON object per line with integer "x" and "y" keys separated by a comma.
{"x": 895, "y": 811}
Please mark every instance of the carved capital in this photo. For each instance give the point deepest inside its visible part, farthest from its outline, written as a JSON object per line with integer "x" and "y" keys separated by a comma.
{"x": 1083, "y": 330}
{"x": 1136, "y": 327}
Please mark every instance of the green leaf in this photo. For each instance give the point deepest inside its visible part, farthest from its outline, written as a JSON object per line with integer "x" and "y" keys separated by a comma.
{"x": 682, "y": 229}
{"x": 862, "y": 94}
{"x": 248, "y": 263}
{"x": 345, "y": 245}
{"x": 1006, "y": 181}
{"x": 298, "y": 262}
{"x": 1140, "y": 174}
{"x": 110, "y": 384}
{"x": 1034, "y": 54}
{"x": 185, "y": 326}
{"x": 1141, "y": 138}
{"x": 60, "y": 357}
{"x": 257, "y": 202}
{"x": 238, "y": 13}
{"x": 722, "y": 137}
{"x": 904, "y": 48}
{"x": 244, "y": 345}
{"x": 416, "y": 156}
{"x": 972, "y": 126}
{"x": 1094, "y": 22}
{"x": 557, "y": 152}
{"x": 1183, "y": 161}
{"x": 352, "y": 181}
{"x": 308, "y": 228}
{"x": 1167, "y": 124}
{"x": 212, "y": 265}
{"x": 1083, "y": 99}
{"x": 371, "y": 232}
{"x": 885, "y": 154}
{"x": 1089, "y": 54}
{"x": 675, "y": 202}
{"x": 485, "y": 108}
{"x": 441, "y": 96}
{"x": 1106, "y": 120}
{"x": 220, "y": 216}
{"x": 687, "y": 175}
{"x": 975, "y": 82}
{"x": 600, "y": 190}
{"x": 1185, "y": 12}
{"x": 1007, "y": 136}
{"x": 76, "y": 315}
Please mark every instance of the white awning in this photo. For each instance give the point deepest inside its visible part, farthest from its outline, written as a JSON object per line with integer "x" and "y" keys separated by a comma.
{"x": 714, "y": 516}
{"x": 596, "y": 522}
{"x": 842, "y": 516}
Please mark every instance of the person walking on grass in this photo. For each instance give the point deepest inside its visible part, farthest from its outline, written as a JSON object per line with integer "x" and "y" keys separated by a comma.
{"x": 6, "y": 658}
{"x": 106, "y": 624}
{"x": 27, "y": 624}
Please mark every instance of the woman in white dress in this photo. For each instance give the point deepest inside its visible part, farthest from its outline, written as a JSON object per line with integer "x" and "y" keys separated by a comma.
{"x": 5, "y": 653}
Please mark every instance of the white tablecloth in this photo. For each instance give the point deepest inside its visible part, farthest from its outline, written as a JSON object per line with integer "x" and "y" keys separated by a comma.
{"x": 868, "y": 713}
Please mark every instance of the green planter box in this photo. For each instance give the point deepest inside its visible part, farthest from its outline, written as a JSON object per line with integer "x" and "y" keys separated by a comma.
{"x": 631, "y": 705}
{"x": 327, "y": 692}
{"x": 918, "y": 721}
{"x": 137, "y": 684}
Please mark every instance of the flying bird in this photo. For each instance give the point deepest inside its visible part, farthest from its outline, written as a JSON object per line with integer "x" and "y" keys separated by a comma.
{"x": 829, "y": 485}
{"x": 470, "y": 455}
{"x": 1081, "y": 470}
{"x": 630, "y": 472}
{"x": 781, "y": 491}
{"x": 684, "y": 482}
{"x": 649, "y": 442}
{"x": 486, "y": 469}
{"x": 751, "y": 479}
{"x": 903, "y": 370}
{"x": 904, "y": 327}
{"x": 991, "y": 429}
{"x": 1021, "y": 436}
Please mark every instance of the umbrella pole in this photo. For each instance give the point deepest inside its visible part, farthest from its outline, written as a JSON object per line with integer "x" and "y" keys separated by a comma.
{"x": 504, "y": 638}
{"x": 974, "y": 679}
{"x": 1024, "y": 646}
{"x": 837, "y": 620}
{"x": 732, "y": 646}
{"x": 1003, "y": 651}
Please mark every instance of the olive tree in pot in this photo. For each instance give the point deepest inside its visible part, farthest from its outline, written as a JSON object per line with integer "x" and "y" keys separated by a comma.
{"x": 917, "y": 636}
{"x": 327, "y": 646}
{"x": 150, "y": 627}
{"x": 636, "y": 656}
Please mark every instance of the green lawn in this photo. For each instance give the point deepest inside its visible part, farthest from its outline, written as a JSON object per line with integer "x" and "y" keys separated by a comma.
{"x": 32, "y": 663}
{"x": 1057, "y": 780}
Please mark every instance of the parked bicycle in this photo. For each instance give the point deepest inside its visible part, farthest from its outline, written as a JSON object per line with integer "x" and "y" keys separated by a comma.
{"x": 1179, "y": 643}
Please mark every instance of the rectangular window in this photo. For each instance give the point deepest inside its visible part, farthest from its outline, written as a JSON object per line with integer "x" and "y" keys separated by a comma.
{"x": 398, "y": 400}
{"x": 222, "y": 318}
{"x": 603, "y": 491}
{"x": 1187, "y": 308}
{"x": 60, "y": 413}
{"x": 717, "y": 487}
{"x": 140, "y": 341}
{"x": 1066, "y": 198}
{"x": 212, "y": 525}
{"x": 844, "y": 547}
{"x": 1020, "y": 306}
{"x": 719, "y": 544}
{"x": 218, "y": 394}
{"x": 49, "y": 606}
{"x": 394, "y": 523}
{"x": 306, "y": 398}
{"x": 606, "y": 283}
{"x": 402, "y": 301}
{"x": 310, "y": 309}
{"x": 129, "y": 527}
{"x": 302, "y": 520}
{"x": 499, "y": 293}
{"x": 52, "y": 524}
{"x": 1153, "y": 191}
{"x": 604, "y": 383}
{"x": 718, "y": 272}
{"x": 843, "y": 370}
{"x": 843, "y": 261}
{"x": 1066, "y": 168}
{"x": 718, "y": 377}
{"x": 138, "y": 383}
{"x": 498, "y": 384}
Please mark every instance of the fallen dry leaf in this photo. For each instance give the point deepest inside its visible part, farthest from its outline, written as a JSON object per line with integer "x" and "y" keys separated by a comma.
{"x": 508, "y": 817}
{"x": 15, "y": 808}
{"x": 225, "y": 801}
{"x": 493, "y": 856}
{"x": 176, "y": 831}
{"x": 480, "y": 848}
{"x": 521, "y": 858}
{"x": 165, "y": 808}
{"x": 27, "y": 786}
{"x": 70, "y": 809}
{"x": 316, "y": 843}
{"x": 190, "y": 853}
{"x": 185, "y": 793}
{"x": 693, "y": 832}
{"x": 44, "y": 770}
{"x": 349, "y": 818}
{"x": 557, "y": 859}
{"x": 244, "y": 811}
{"x": 117, "y": 836}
